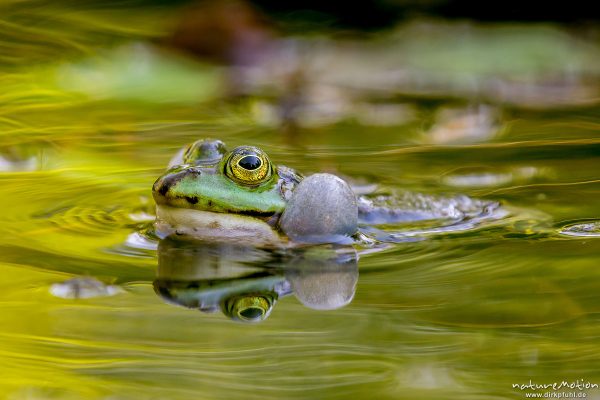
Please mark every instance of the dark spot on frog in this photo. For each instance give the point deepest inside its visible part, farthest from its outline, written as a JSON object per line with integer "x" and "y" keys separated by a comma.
{"x": 273, "y": 219}
{"x": 210, "y": 203}
{"x": 191, "y": 200}
{"x": 258, "y": 214}
{"x": 160, "y": 187}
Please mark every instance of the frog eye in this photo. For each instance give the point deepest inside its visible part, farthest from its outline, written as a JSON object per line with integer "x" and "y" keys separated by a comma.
{"x": 204, "y": 151}
{"x": 248, "y": 165}
{"x": 249, "y": 307}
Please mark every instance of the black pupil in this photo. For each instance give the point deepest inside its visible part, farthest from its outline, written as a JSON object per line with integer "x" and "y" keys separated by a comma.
{"x": 251, "y": 313}
{"x": 250, "y": 163}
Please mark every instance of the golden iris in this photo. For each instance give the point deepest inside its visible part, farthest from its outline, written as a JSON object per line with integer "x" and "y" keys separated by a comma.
{"x": 249, "y": 307}
{"x": 248, "y": 165}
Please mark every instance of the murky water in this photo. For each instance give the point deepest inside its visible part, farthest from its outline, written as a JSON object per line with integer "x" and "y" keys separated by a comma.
{"x": 461, "y": 307}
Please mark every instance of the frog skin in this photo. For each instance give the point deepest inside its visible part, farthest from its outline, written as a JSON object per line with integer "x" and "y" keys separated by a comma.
{"x": 211, "y": 193}
{"x": 216, "y": 195}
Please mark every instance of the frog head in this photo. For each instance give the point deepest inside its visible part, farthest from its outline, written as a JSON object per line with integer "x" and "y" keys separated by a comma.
{"x": 228, "y": 189}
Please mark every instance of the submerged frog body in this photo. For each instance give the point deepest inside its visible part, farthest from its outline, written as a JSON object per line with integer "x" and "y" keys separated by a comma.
{"x": 213, "y": 194}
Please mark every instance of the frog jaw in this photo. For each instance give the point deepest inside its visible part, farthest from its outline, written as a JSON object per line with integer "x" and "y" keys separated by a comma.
{"x": 213, "y": 226}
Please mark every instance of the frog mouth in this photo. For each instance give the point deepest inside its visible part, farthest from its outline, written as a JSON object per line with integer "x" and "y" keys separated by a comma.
{"x": 209, "y": 225}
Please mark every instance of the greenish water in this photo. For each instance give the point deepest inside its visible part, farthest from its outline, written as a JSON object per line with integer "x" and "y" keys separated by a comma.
{"x": 462, "y": 314}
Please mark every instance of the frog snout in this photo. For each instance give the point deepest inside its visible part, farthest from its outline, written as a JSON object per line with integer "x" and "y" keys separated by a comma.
{"x": 166, "y": 182}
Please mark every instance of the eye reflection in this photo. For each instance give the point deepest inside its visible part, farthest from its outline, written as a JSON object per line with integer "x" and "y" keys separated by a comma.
{"x": 251, "y": 313}
{"x": 245, "y": 283}
{"x": 249, "y": 308}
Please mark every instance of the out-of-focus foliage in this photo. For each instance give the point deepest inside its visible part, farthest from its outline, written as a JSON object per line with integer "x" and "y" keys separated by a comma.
{"x": 94, "y": 104}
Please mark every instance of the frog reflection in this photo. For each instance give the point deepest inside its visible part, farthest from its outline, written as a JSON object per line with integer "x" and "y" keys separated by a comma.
{"x": 245, "y": 283}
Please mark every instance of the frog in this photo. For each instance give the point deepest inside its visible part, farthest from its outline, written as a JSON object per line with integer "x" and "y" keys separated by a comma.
{"x": 214, "y": 194}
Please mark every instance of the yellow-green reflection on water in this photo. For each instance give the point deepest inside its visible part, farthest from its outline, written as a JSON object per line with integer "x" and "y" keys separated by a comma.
{"x": 452, "y": 316}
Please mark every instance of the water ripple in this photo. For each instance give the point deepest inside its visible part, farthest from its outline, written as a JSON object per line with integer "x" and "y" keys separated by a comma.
{"x": 587, "y": 229}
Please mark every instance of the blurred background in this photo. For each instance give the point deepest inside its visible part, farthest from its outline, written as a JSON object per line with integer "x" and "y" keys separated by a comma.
{"x": 496, "y": 101}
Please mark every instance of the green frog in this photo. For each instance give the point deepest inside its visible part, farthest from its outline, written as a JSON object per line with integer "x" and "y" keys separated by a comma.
{"x": 217, "y": 195}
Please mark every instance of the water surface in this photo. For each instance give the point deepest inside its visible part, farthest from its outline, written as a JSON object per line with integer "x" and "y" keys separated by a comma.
{"x": 459, "y": 314}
